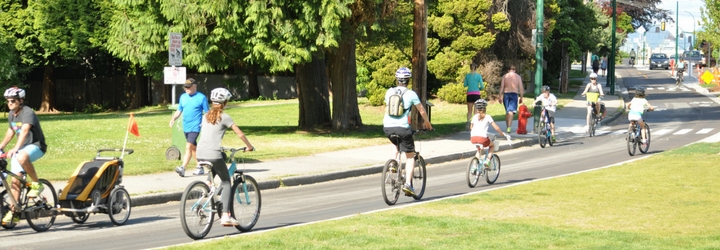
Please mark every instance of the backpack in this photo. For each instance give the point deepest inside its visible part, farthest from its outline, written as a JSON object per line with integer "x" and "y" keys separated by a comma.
{"x": 395, "y": 104}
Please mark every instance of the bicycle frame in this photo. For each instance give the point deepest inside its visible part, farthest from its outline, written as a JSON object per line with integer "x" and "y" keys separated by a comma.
{"x": 16, "y": 204}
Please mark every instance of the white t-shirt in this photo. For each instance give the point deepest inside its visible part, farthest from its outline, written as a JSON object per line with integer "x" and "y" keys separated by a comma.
{"x": 637, "y": 105}
{"x": 549, "y": 102}
{"x": 480, "y": 128}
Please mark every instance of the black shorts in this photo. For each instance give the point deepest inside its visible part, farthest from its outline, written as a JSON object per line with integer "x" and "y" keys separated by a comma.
{"x": 472, "y": 98}
{"x": 191, "y": 137}
{"x": 404, "y": 138}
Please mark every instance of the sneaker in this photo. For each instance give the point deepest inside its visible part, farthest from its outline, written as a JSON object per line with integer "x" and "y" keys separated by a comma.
{"x": 228, "y": 221}
{"x": 180, "y": 170}
{"x": 199, "y": 170}
{"x": 643, "y": 141}
{"x": 409, "y": 191}
{"x": 473, "y": 169}
{"x": 553, "y": 139}
{"x": 9, "y": 218}
{"x": 508, "y": 130}
{"x": 35, "y": 189}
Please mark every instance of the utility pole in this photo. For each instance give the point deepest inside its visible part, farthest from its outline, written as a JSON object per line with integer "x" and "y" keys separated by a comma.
{"x": 538, "y": 55}
{"x": 677, "y": 6}
{"x": 611, "y": 64}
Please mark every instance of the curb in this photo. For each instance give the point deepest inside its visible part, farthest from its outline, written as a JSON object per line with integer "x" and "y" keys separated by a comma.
{"x": 159, "y": 198}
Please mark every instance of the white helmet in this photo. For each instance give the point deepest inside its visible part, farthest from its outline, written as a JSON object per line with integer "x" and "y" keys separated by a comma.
{"x": 593, "y": 75}
{"x": 15, "y": 92}
{"x": 220, "y": 95}
{"x": 403, "y": 75}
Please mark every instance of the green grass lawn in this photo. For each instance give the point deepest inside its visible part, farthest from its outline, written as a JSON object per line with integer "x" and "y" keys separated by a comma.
{"x": 576, "y": 74}
{"x": 667, "y": 201}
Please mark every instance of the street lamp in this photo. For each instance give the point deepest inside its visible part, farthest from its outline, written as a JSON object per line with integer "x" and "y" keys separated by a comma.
{"x": 693, "y": 41}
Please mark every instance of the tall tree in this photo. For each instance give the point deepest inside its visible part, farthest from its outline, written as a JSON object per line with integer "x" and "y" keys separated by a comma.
{"x": 709, "y": 34}
{"x": 8, "y": 62}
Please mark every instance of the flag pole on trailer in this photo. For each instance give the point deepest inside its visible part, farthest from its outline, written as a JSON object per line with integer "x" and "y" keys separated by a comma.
{"x": 127, "y": 131}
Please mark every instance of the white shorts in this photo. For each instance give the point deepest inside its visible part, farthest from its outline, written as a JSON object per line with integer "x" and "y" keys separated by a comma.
{"x": 634, "y": 117}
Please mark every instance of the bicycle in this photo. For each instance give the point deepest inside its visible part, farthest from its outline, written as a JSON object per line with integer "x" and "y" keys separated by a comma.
{"x": 40, "y": 212}
{"x": 393, "y": 175}
{"x": 634, "y": 137}
{"x": 201, "y": 201}
{"x": 680, "y": 78}
{"x": 491, "y": 171}
{"x": 595, "y": 118}
{"x": 543, "y": 128}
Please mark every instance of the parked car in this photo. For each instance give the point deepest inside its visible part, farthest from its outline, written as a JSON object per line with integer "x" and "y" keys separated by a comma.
{"x": 694, "y": 57}
{"x": 659, "y": 60}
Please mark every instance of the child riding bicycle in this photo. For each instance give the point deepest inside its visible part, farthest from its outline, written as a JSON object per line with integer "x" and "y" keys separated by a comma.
{"x": 549, "y": 102}
{"x": 479, "y": 125}
{"x": 637, "y": 107}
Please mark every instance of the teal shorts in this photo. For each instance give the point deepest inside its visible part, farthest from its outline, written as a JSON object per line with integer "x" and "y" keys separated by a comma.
{"x": 33, "y": 152}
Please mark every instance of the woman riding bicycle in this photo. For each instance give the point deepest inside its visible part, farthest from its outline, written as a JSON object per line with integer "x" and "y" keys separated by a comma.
{"x": 637, "y": 106}
{"x": 214, "y": 125}
{"x": 593, "y": 92}
{"x": 479, "y": 125}
{"x": 549, "y": 102}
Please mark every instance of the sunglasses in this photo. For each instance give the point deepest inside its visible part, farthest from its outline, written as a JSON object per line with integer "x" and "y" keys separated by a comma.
{"x": 593, "y": 78}
{"x": 12, "y": 101}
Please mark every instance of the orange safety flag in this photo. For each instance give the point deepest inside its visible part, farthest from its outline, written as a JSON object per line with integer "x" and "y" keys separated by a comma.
{"x": 132, "y": 126}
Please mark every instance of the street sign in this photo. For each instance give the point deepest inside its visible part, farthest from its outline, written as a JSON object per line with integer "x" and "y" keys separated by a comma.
{"x": 175, "y": 49}
{"x": 707, "y": 77}
{"x": 174, "y": 75}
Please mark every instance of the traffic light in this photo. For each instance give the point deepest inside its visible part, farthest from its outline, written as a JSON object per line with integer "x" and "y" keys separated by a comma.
{"x": 662, "y": 26}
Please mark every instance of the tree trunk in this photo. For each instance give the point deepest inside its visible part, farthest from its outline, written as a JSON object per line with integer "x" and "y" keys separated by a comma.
{"x": 564, "y": 70}
{"x": 253, "y": 88}
{"x": 419, "y": 58}
{"x": 343, "y": 73}
{"x": 313, "y": 93}
{"x": 139, "y": 84}
{"x": 48, "y": 90}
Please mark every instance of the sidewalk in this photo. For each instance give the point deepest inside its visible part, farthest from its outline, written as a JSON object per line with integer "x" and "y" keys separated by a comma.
{"x": 161, "y": 188}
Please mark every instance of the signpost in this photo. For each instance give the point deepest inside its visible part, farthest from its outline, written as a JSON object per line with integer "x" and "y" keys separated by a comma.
{"x": 175, "y": 49}
{"x": 174, "y": 75}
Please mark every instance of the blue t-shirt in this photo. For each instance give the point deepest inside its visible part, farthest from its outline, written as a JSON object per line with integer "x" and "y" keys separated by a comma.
{"x": 474, "y": 83}
{"x": 192, "y": 108}
{"x": 410, "y": 98}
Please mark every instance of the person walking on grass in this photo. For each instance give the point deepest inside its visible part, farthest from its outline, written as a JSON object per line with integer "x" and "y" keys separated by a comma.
{"x": 474, "y": 83}
{"x": 511, "y": 94}
{"x": 192, "y": 106}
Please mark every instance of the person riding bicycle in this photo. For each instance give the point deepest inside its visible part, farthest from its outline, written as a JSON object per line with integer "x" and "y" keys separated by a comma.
{"x": 29, "y": 147}
{"x": 549, "y": 101}
{"x": 681, "y": 67}
{"x": 479, "y": 125}
{"x": 400, "y": 126}
{"x": 637, "y": 106}
{"x": 632, "y": 56}
{"x": 593, "y": 92}
{"x": 214, "y": 125}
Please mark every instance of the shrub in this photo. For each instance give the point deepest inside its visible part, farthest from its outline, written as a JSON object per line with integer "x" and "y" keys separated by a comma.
{"x": 453, "y": 93}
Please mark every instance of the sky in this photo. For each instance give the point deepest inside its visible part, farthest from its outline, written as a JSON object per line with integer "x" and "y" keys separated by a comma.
{"x": 685, "y": 19}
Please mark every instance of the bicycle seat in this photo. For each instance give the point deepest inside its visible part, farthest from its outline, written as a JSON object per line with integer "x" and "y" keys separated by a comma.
{"x": 205, "y": 163}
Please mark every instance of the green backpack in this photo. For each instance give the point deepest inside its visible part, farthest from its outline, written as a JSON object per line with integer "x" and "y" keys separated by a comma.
{"x": 395, "y": 104}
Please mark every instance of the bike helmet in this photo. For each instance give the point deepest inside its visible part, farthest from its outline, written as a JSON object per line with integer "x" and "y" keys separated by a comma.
{"x": 15, "y": 92}
{"x": 546, "y": 88}
{"x": 480, "y": 104}
{"x": 220, "y": 95}
{"x": 593, "y": 75}
{"x": 403, "y": 75}
{"x": 640, "y": 92}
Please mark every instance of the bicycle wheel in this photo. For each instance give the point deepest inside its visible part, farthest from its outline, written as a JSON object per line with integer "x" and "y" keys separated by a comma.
{"x": 247, "y": 202}
{"x": 548, "y": 132}
{"x": 5, "y": 208}
{"x": 419, "y": 177}
{"x": 119, "y": 206}
{"x": 493, "y": 170}
{"x": 473, "y": 172}
{"x": 631, "y": 142}
{"x": 591, "y": 126}
{"x": 644, "y": 148}
{"x": 80, "y": 218}
{"x": 542, "y": 136}
{"x": 40, "y": 212}
{"x": 390, "y": 182}
{"x": 196, "y": 210}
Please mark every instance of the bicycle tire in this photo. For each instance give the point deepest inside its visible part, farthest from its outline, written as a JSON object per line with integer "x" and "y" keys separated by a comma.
{"x": 41, "y": 215}
{"x": 631, "y": 142}
{"x": 245, "y": 207}
{"x": 542, "y": 136}
{"x": 80, "y": 218}
{"x": 473, "y": 176}
{"x": 644, "y": 149}
{"x": 591, "y": 128}
{"x": 391, "y": 182}
{"x": 419, "y": 175}
{"x": 549, "y": 136}
{"x": 5, "y": 208}
{"x": 119, "y": 206}
{"x": 196, "y": 218}
{"x": 492, "y": 174}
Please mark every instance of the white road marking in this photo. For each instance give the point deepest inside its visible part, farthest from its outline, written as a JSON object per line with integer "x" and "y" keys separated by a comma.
{"x": 660, "y": 132}
{"x": 682, "y": 131}
{"x": 704, "y": 131}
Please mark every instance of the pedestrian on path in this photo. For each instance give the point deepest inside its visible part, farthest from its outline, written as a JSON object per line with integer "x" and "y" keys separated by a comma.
{"x": 399, "y": 125}
{"x": 474, "y": 83}
{"x": 511, "y": 94}
{"x": 603, "y": 64}
{"x": 214, "y": 125}
{"x": 595, "y": 64}
{"x": 192, "y": 106}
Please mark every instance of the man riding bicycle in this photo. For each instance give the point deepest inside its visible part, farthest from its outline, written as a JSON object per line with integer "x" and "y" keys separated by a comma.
{"x": 400, "y": 126}
{"x": 593, "y": 92}
{"x": 632, "y": 56}
{"x": 637, "y": 107}
{"x": 681, "y": 67}
{"x": 549, "y": 102}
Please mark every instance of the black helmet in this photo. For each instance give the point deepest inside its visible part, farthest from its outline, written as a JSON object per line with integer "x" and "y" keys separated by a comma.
{"x": 546, "y": 88}
{"x": 640, "y": 91}
{"x": 480, "y": 104}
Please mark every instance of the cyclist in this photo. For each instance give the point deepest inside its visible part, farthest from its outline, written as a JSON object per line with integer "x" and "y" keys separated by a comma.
{"x": 29, "y": 147}
{"x": 593, "y": 91}
{"x": 214, "y": 125}
{"x": 637, "y": 107}
{"x": 474, "y": 83}
{"x": 549, "y": 101}
{"x": 192, "y": 106}
{"x": 479, "y": 129}
{"x": 681, "y": 67}
{"x": 400, "y": 126}
{"x": 632, "y": 57}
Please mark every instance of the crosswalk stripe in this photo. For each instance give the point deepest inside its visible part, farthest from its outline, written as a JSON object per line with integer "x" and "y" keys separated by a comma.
{"x": 661, "y": 88}
{"x": 682, "y": 131}
{"x": 704, "y": 131}
{"x": 651, "y": 88}
{"x": 660, "y": 132}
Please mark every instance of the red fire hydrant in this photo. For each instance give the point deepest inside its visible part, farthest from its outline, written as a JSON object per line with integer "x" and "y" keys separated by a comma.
{"x": 523, "y": 115}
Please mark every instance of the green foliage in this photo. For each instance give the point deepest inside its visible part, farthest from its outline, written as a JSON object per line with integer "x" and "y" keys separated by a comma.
{"x": 94, "y": 108}
{"x": 8, "y": 61}
{"x": 453, "y": 93}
